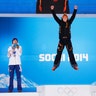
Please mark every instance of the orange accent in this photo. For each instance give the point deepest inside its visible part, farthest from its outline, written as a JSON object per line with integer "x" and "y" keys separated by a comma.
{"x": 60, "y": 45}
{"x": 76, "y": 67}
{"x": 40, "y": 5}
{"x": 65, "y": 4}
{"x": 69, "y": 48}
{"x": 53, "y": 69}
{"x": 55, "y": 0}
{"x": 40, "y": 2}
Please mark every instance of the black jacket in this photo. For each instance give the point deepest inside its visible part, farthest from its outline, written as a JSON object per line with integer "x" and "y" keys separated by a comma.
{"x": 64, "y": 26}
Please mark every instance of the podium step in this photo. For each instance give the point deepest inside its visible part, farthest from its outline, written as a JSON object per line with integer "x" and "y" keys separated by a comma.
{"x": 65, "y": 90}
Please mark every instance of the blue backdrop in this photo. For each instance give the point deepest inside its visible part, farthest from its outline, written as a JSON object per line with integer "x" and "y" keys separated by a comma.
{"x": 29, "y": 6}
{"x": 39, "y": 38}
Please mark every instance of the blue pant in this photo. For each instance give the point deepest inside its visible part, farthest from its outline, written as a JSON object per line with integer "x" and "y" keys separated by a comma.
{"x": 13, "y": 68}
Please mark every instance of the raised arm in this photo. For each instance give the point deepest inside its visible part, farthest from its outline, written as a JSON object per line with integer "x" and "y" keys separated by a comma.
{"x": 74, "y": 14}
{"x": 54, "y": 15}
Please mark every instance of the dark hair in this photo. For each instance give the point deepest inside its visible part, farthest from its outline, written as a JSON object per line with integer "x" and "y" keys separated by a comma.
{"x": 14, "y": 39}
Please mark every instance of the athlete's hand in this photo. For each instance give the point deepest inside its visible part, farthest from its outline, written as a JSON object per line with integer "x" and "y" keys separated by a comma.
{"x": 75, "y": 7}
{"x": 52, "y": 7}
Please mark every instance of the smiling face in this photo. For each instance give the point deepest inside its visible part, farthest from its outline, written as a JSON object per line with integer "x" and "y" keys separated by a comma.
{"x": 15, "y": 42}
{"x": 65, "y": 17}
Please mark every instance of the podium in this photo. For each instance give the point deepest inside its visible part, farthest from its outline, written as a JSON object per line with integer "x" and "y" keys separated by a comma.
{"x": 58, "y": 90}
{"x": 64, "y": 90}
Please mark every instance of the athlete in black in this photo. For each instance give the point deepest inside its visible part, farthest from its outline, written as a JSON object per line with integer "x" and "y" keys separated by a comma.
{"x": 64, "y": 38}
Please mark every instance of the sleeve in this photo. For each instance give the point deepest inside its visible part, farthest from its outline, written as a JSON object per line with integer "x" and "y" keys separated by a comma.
{"x": 73, "y": 16}
{"x": 55, "y": 17}
{"x": 9, "y": 52}
{"x": 19, "y": 51}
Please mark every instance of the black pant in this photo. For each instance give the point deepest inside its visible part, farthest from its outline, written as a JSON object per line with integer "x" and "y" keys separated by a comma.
{"x": 62, "y": 43}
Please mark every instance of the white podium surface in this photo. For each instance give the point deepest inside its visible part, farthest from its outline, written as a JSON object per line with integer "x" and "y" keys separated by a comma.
{"x": 58, "y": 90}
{"x": 64, "y": 90}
